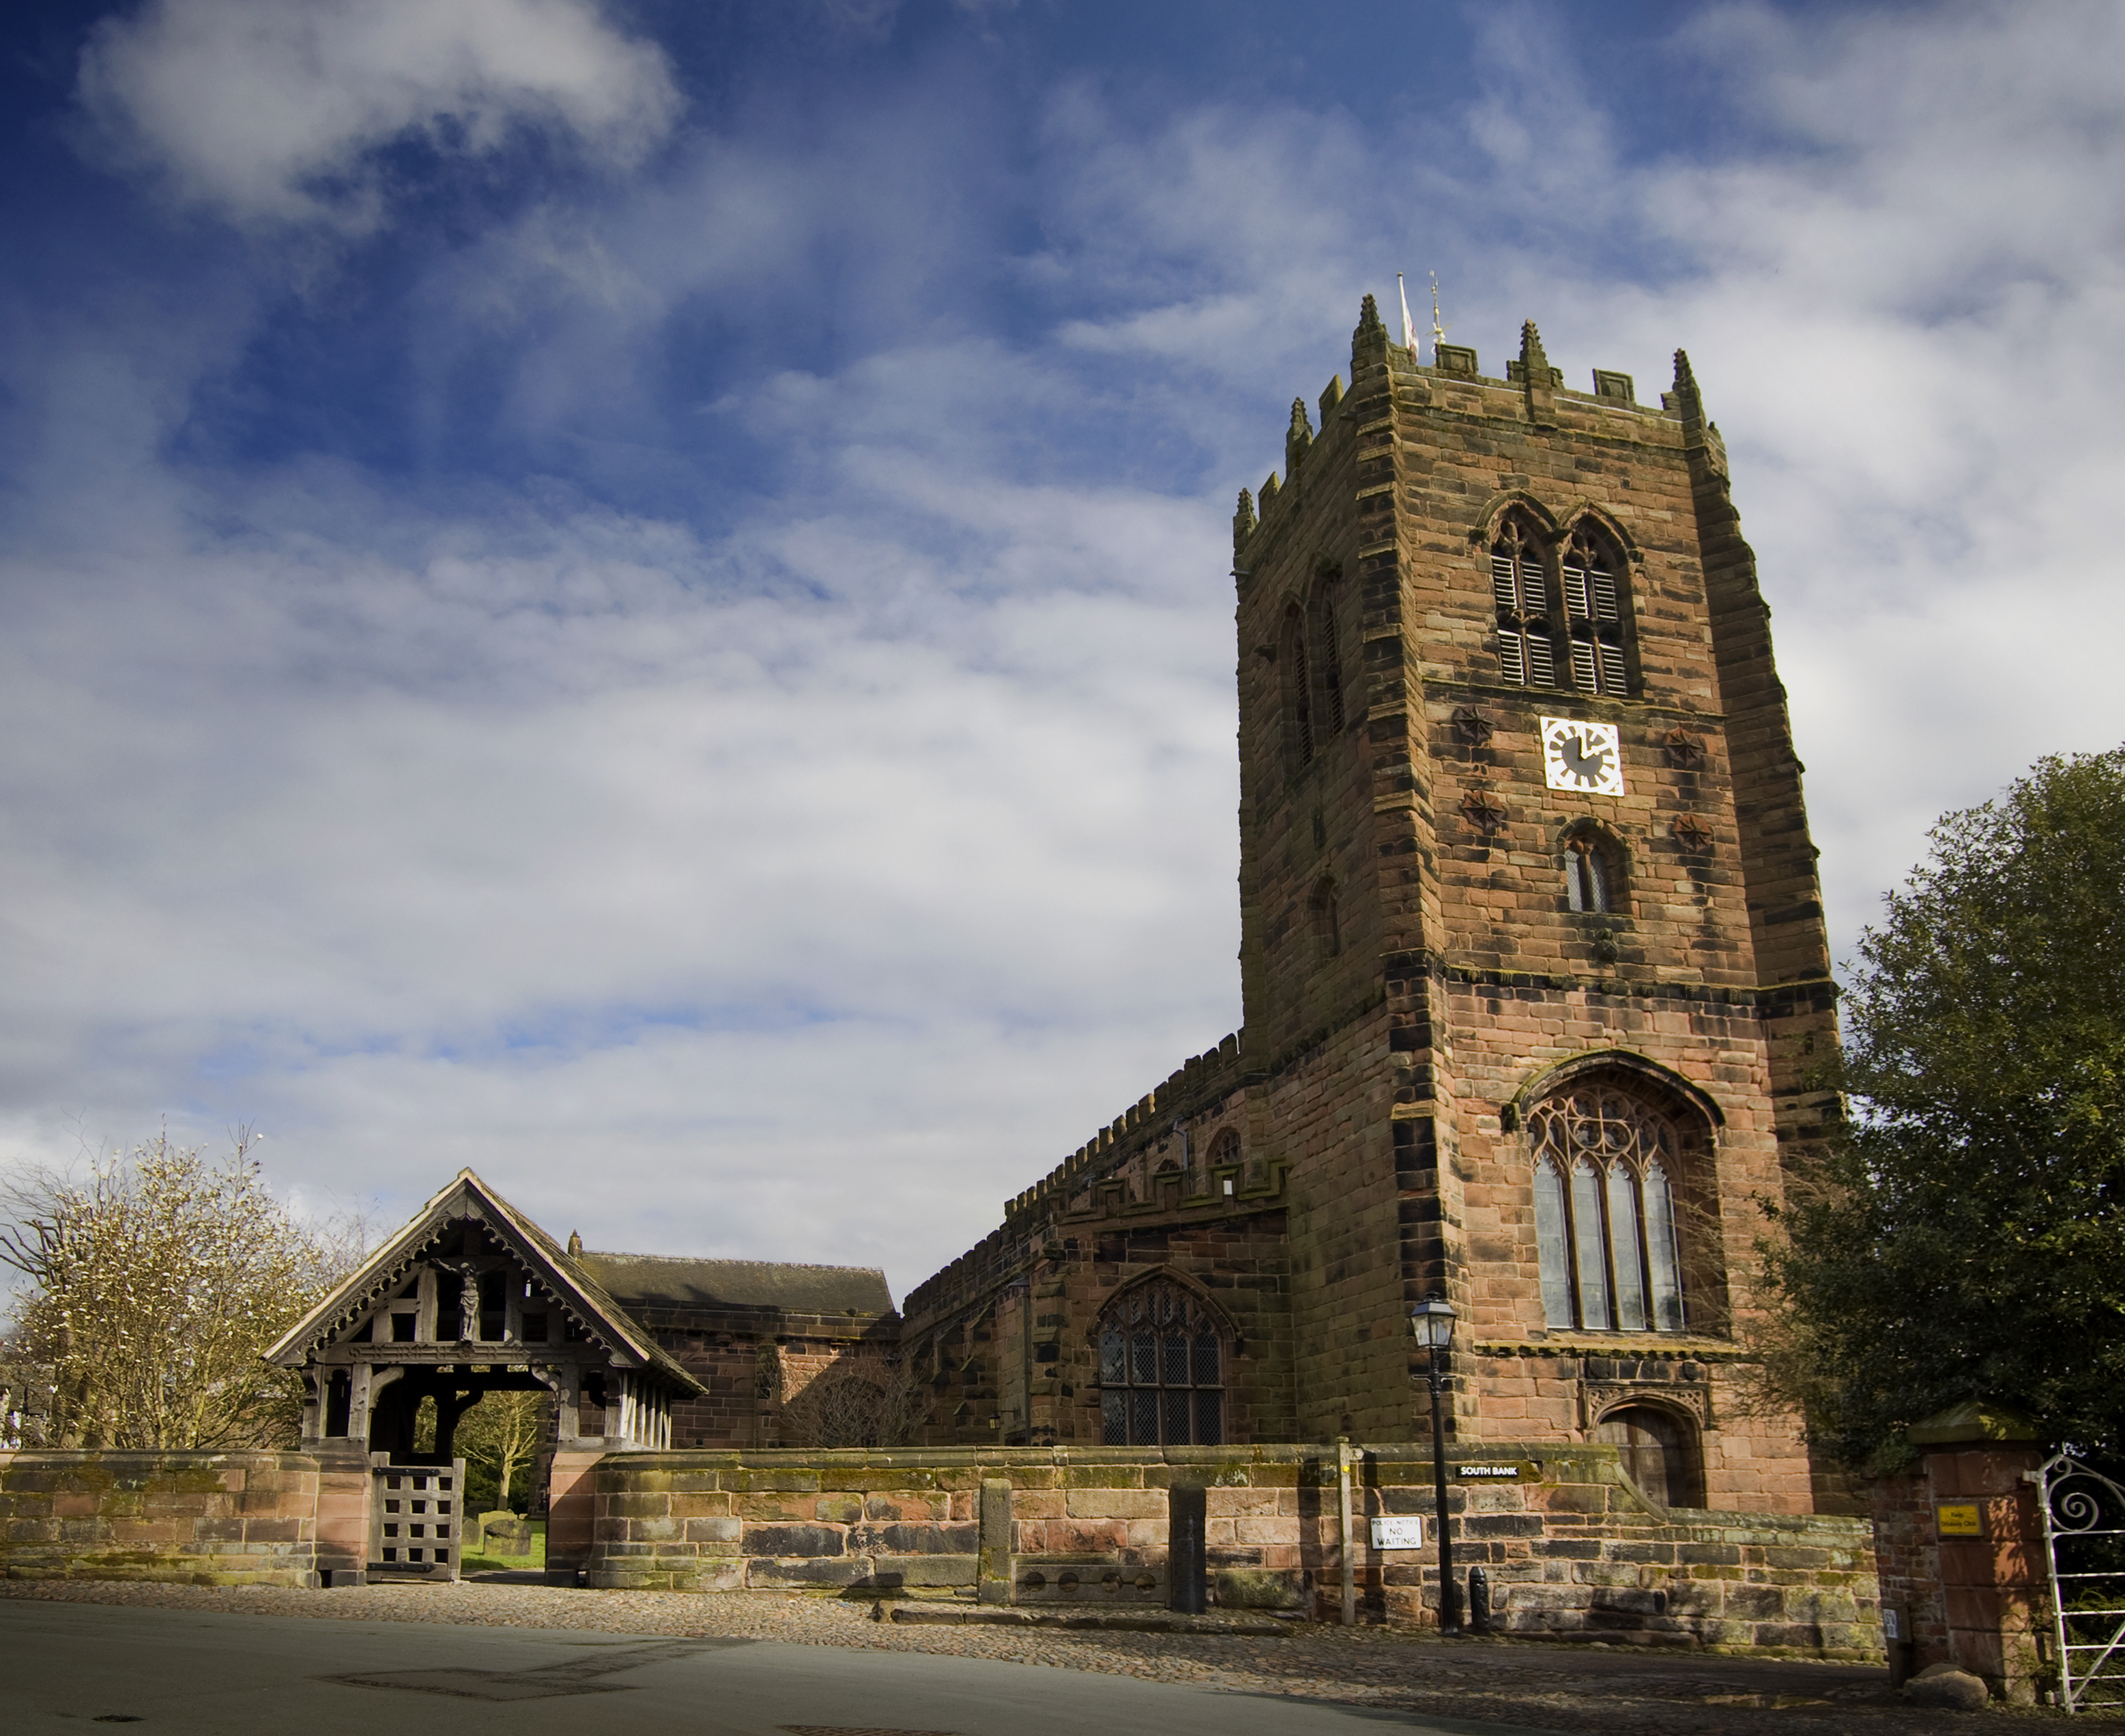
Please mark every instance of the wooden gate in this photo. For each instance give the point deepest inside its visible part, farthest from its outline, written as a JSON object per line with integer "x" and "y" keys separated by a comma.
{"x": 414, "y": 1519}
{"x": 2083, "y": 1517}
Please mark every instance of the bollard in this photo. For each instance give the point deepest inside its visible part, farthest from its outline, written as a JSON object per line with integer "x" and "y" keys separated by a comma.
{"x": 1479, "y": 1599}
{"x": 995, "y": 1570}
{"x": 1187, "y": 1505}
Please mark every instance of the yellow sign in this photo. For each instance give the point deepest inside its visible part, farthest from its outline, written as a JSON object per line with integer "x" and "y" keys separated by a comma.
{"x": 1959, "y": 1519}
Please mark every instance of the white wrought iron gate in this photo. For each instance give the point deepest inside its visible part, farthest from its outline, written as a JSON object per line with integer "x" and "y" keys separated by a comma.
{"x": 2084, "y": 1518}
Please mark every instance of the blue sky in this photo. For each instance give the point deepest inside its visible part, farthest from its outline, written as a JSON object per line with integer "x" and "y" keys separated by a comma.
{"x": 635, "y": 595}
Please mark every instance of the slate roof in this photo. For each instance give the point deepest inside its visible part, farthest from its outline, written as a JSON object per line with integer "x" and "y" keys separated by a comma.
{"x": 654, "y": 1281}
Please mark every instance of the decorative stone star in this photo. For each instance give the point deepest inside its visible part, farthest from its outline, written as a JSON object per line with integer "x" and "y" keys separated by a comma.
{"x": 1684, "y": 749}
{"x": 1692, "y": 834}
{"x": 1484, "y": 811}
{"x": 1472, "y": 727}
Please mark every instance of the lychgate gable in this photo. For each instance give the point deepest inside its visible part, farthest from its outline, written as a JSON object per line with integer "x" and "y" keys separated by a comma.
{"x": 472, "y": 1297}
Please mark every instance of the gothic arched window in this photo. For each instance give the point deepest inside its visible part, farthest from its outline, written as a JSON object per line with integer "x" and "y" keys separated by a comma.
{"x": 1298, "y": 689}
{"x": 1162, "y": 1369}
{"x": 1605, "y": 1172}
{"x": 1592, "y": 873}
{"x": 1322, "y": 918}
{"x": 1520, "y": 588}
{"x": 1593, "y": 613}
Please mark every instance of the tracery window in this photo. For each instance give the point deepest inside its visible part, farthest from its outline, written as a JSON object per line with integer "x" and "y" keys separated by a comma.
{"x": 1593, "y": 614}
{"x": 1606, "y": 1164}
{"x": 1162, "y": 1369}
{"x": 1519, "y": 588}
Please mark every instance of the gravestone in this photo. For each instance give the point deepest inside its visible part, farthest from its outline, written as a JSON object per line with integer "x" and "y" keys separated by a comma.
{"x": 505, "y": 1534}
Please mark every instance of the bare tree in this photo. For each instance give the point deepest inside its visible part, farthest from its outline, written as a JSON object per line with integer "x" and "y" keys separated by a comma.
{"x": 156, "y": 1280}
{"x": 502, "y": 1433}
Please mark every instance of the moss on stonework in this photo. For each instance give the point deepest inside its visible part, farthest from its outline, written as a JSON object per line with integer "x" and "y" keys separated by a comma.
{"x": 1253, "y": 1588}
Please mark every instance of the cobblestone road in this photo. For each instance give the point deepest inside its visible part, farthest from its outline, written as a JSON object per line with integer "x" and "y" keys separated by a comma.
{"x": 1619, "y": 1691}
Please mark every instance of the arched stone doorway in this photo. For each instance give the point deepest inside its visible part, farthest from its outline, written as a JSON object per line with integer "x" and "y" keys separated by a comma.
{"x": 1660, "y": 1452}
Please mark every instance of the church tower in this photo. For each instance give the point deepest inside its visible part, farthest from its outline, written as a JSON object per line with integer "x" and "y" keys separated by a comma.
{"x": 1534, "y": 964}
{"x": 1533, "y": 955}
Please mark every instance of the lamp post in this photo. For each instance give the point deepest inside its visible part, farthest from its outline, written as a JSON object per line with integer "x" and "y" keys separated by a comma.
{"x": 1432, "y": 1321}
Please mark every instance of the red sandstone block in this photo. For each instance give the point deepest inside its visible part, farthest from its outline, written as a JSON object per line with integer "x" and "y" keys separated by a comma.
{"x": 1077, "y": 1537}
{"x": 147, "y": 1533}
{"x": 1115, "y": 1504}
{"x": 272, "y": 1531}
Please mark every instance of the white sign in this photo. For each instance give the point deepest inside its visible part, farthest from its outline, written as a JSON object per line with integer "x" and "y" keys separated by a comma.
{"x": 1398, "y": 1532}
{"x": 1585, "y": 758}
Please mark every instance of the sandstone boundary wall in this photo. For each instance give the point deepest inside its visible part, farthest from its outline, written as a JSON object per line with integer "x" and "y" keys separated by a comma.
{"x": 236, "y": 1518}
{"x": 1571, "y": 1546}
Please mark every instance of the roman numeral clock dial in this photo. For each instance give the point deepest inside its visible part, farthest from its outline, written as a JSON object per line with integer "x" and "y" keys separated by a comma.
{"x": 1587, "y": 758}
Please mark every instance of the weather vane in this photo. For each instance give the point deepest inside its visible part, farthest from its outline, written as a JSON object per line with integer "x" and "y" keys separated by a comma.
{"x": 1438, "y": 331}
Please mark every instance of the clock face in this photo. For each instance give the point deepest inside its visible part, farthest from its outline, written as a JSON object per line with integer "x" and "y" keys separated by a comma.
{"x": 1585, "y": 758}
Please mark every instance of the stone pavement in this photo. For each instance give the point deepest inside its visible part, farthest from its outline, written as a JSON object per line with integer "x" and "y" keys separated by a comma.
{"x": 1309, "y": 1681}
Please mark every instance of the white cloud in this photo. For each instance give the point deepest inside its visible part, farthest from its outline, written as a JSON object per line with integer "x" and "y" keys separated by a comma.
{"x": 271, "y": 112}
{"x": 792, "y": 878}
{"x": 803, "y": 880}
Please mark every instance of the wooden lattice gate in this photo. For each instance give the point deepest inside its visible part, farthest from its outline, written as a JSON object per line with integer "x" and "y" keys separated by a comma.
{"x": 414, "y": 1528}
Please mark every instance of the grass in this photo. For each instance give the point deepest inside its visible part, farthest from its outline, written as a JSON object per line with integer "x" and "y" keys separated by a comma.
{"x": 470, "y": 1562}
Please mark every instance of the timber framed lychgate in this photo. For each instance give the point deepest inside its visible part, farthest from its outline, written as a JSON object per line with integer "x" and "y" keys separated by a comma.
{"x": 470, "y": 1298}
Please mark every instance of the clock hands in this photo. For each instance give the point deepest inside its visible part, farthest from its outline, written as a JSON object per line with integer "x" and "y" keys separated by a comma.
{"x": 1581, "y": 764}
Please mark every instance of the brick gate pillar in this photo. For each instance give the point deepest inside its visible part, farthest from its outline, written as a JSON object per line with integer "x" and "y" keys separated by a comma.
{"x": 1961, "y": 1551}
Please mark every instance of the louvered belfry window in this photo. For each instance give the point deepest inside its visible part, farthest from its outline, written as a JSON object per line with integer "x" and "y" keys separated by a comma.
{"x": 1299, "y": 688}
{"x": 1161, "y": 1370}
{"x": 1593, "y": 612}
{"x": 1331, "y": 660}
{"x": 1520, "y": 588}
{"x": 1604, "y": 1212}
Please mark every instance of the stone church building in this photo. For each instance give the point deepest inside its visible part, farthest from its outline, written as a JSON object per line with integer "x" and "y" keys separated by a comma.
{"x": 1535, "y": 978}
{"x": 1533, "y": 960}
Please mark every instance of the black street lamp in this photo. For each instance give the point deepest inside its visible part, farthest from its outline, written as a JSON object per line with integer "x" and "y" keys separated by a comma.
{"x": 1433, "y": 1323}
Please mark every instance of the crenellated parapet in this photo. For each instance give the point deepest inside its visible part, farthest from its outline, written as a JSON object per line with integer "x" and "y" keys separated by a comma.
{"x": 1200, "y": 1080}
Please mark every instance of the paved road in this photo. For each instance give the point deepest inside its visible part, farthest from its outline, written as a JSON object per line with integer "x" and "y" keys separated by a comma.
{"x": 173, "y": 1670}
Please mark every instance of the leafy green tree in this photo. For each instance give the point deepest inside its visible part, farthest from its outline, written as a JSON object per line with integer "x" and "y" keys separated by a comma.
{"x": 1964, "y": 1236}
{"x": 498, "y": 1438}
